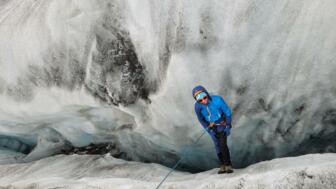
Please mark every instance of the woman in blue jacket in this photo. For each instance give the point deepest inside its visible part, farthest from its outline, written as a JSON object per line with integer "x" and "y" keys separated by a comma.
{"x": 215, "y": 116}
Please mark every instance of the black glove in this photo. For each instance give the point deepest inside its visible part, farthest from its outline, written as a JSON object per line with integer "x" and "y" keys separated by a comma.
{"x": 227, "y": 130}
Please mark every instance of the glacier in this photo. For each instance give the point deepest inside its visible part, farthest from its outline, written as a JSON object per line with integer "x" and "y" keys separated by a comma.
{"x": 94, "y": 171}
{"x": 79, "y": 72}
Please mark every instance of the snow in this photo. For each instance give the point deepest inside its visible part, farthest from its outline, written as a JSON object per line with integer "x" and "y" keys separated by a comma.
{"x": 92, "y": 171}
{"x": 272, "y": 61}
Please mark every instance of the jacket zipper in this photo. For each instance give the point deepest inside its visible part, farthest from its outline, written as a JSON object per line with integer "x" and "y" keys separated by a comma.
{"x": 209, "y": 113}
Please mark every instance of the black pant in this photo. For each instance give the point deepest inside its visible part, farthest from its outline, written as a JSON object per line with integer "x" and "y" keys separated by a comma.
{"x": 224, "y": 155}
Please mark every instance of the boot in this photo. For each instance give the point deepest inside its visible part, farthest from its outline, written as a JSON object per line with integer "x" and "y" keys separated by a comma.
{"x": 228, "y": 169}
{"x": 222, "y": 169}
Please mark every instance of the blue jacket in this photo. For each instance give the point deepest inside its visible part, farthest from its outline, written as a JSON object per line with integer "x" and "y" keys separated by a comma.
{"x": 216, "y": 110}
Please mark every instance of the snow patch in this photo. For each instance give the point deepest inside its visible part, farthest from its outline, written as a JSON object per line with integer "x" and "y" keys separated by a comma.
{"x": 93, "y": 171}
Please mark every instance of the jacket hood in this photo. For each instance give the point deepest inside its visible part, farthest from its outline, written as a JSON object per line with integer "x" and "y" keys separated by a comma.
{"x": 199, "y": 88}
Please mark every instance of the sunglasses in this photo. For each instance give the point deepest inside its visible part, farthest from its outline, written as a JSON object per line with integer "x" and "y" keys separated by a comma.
{"x": 203, "y": 99}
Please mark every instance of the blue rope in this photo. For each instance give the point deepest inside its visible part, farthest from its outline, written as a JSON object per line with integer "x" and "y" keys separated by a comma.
{"x": 174, "y": 167}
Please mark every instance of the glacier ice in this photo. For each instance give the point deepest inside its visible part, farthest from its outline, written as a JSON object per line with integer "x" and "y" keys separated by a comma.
{"x": 73, "y": 71}
{"x": 95, "y": 171}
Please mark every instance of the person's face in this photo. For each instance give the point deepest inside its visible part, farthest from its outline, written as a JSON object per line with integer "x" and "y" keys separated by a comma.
{"x": 203, "y": 100}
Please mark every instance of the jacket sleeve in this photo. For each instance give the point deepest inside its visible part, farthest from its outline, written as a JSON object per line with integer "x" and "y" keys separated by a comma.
{"x": 200, "y": 117}
{"x": 226, "y": 110}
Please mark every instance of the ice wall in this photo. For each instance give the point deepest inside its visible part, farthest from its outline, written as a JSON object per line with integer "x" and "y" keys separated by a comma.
{"x": 272, "y": 61}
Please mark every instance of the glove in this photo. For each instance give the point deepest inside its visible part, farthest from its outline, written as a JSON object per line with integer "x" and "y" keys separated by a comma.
{"x": 211, "y": 125}
{"x": 227, "y": 130}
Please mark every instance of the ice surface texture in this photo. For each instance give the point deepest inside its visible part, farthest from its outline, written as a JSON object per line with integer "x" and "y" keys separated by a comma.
{"x": 272, "y": 61}
{"x": 83, "y": 171}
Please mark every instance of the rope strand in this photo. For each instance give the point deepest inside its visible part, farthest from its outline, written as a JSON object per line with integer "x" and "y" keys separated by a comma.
{"x": 175, "y": 166}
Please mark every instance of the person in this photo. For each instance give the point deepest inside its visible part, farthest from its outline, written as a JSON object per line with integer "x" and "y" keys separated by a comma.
{"x": 215, "y": 116}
